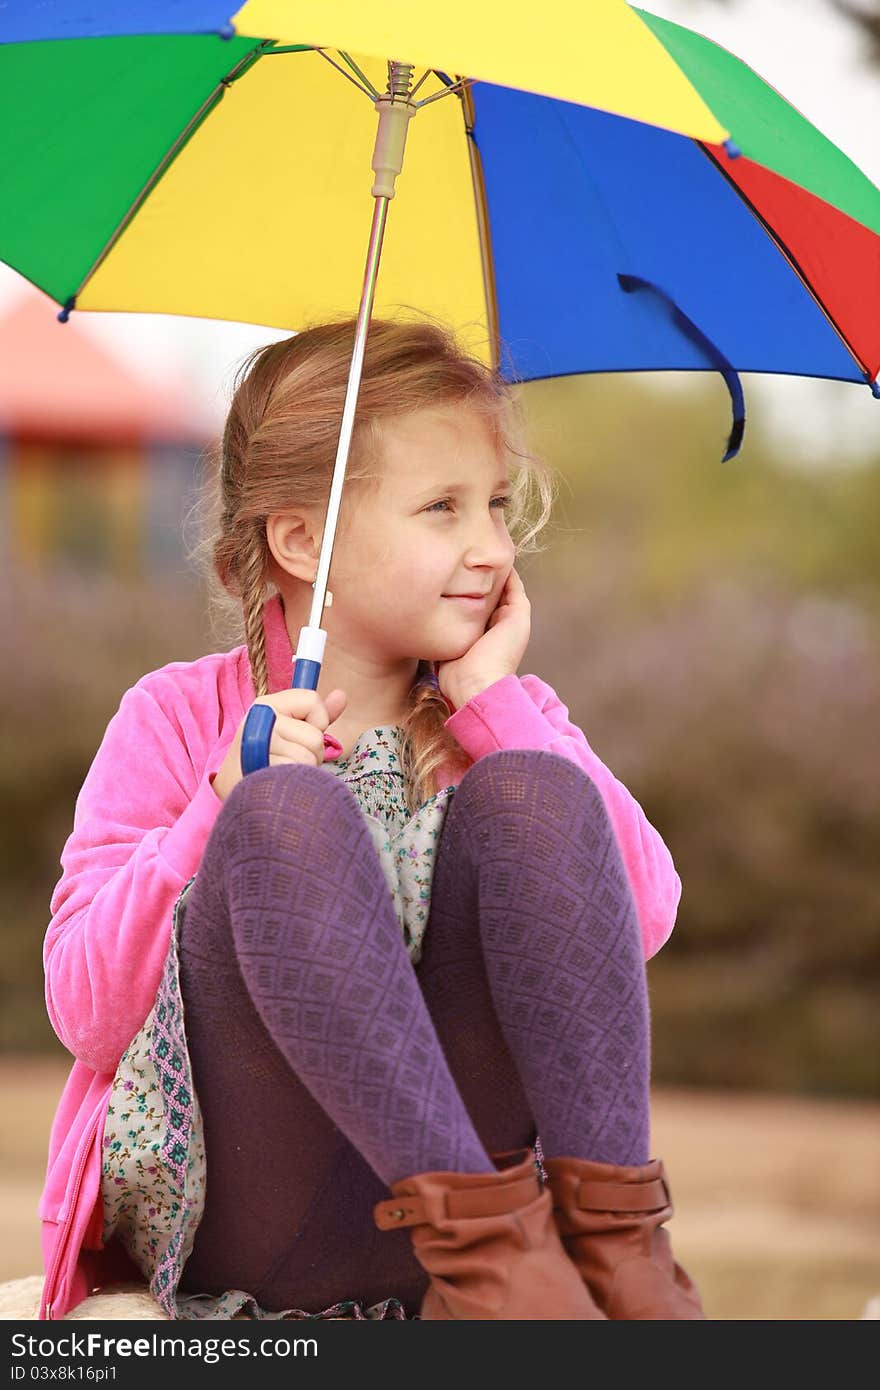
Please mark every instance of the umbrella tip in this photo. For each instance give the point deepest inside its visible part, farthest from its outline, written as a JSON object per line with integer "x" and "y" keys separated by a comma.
{"x": 226, "y": 31}
{"x": 65, "y": 312}
{"x": 733, "y": 150}
{"x": 875, "y": 388}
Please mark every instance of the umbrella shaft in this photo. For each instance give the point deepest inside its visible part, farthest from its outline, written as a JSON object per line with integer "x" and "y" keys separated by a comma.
{"x": 377, "y": 231}
{"x": 395, "y": 112}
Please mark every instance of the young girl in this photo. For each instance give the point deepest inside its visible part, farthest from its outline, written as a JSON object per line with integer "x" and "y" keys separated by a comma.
{"x": 364, "y": 1032}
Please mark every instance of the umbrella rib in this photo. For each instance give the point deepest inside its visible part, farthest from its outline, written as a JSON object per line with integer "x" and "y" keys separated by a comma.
{"x": 484, "y": 231}
{"x": 459, "y": 87}
{"x": 789, "y": 256}
{"x": 346, "y": 57}
{"x": 369, "y": 91}
{"x": 186, "y": 134}
{"x": 422, "y": 79}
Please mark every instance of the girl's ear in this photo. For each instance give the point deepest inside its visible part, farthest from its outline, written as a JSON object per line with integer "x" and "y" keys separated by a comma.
{"x": 294, "y": 544}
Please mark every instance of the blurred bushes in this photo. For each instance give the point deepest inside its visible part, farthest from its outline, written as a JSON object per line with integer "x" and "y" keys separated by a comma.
{"x": 72, "y": 645}
{"x": 713, "y": 628}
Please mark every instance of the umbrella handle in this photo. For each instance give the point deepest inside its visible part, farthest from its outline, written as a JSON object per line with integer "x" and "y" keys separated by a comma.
{"x": 256, "y": 737}
{"x": 256, "y": 734}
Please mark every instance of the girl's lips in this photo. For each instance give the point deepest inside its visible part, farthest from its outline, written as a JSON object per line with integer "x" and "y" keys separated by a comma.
{"x": 466, "y": 598}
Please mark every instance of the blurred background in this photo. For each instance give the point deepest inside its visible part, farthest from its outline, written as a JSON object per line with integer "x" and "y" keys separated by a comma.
{"x": 713, "y": 628}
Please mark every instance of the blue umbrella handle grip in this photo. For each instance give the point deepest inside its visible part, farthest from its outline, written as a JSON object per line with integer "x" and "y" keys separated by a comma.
{"x": 308, "y": 658}
{"x": 256, "y": 737}
{"x": 305, "y": 674}
{"x": 260, "y": 721}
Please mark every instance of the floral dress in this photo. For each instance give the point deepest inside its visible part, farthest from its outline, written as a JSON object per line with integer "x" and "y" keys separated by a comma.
{"x": 153, "y": 1171}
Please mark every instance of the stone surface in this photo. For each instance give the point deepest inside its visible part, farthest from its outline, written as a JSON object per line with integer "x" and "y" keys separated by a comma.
{"x": 20, "y": 1298}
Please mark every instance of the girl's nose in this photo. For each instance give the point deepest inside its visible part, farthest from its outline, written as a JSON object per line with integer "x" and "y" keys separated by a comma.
{"x": 489, "y": 545}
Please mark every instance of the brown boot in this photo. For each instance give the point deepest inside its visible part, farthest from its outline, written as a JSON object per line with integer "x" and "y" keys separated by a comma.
{"x": 489, "y": 1243}
{"x": 611, "y": 1219}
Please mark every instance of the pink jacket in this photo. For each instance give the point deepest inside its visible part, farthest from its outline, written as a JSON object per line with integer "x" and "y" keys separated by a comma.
{"x": 142, "y": 819}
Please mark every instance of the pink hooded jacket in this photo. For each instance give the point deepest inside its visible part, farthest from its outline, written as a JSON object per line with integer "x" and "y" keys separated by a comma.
{"x": 142, "y": 820}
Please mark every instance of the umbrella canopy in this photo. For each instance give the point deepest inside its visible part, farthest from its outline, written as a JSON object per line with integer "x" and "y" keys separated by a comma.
{"x": 608, "y": 192}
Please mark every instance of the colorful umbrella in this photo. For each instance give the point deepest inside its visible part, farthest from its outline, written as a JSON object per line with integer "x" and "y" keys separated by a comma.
{"x": 149, "y": 165}
{"x": 586, "y": 188}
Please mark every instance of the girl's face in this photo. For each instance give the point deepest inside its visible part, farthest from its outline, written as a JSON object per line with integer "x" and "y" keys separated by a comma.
{"x": 431, "y": 529}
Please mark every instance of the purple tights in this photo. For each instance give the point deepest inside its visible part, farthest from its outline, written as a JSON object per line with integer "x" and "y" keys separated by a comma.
{"x": 327, "y": 1066}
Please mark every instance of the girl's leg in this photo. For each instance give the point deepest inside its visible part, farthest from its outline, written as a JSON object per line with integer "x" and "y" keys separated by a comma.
{"x": 319, "y": 1075}
{"x": 530, "y": 876}
{"x": 452, "y": 974}
{"x": 532, "y": 911}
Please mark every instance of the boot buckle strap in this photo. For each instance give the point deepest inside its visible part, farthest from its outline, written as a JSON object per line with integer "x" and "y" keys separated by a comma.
{"x": 461, "y": 1202}
{"x": 623, "y": 1196}
{"x": 399, "y": 1211}
{"x": 493, "y": 1201}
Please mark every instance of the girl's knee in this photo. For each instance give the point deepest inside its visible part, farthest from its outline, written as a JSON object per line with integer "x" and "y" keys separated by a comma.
{"x": 272, "y": 798}
{"x": 516, "y": 777}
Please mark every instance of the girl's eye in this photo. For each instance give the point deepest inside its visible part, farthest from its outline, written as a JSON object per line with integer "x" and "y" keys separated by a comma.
{"x": 501, "y": 502}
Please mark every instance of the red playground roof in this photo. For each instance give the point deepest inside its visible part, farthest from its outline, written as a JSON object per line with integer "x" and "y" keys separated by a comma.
{"x": 58, "y": 383}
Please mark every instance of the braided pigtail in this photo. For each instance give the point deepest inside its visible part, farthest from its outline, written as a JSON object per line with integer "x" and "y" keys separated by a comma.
{"x": 425, "y": 744}
{"x": 253, "y": 597}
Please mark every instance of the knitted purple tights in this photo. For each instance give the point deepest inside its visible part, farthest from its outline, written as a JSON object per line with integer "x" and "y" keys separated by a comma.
{"x": 532, "y": 913}
{"x": 296, "y": 900}
{"x": 324, "y": 1063}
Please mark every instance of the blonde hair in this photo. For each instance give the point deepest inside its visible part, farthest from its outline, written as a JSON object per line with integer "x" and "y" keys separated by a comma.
{"x": 277, "y": 453}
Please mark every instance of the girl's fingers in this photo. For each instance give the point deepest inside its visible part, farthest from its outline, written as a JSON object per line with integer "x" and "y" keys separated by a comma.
{"x": 296, "y": 753}
{"x": 293, "y": 734}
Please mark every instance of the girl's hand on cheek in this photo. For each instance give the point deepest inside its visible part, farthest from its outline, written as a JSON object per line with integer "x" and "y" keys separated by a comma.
{"x": 497, "y": 653}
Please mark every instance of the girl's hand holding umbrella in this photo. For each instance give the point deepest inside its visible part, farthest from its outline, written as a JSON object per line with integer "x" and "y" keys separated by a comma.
{"x": 497, "y": 653}
{"x": 301, "y": 716}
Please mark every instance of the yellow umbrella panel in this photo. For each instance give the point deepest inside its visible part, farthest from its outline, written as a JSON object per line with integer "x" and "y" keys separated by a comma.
{"x": 279, "y": 174}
